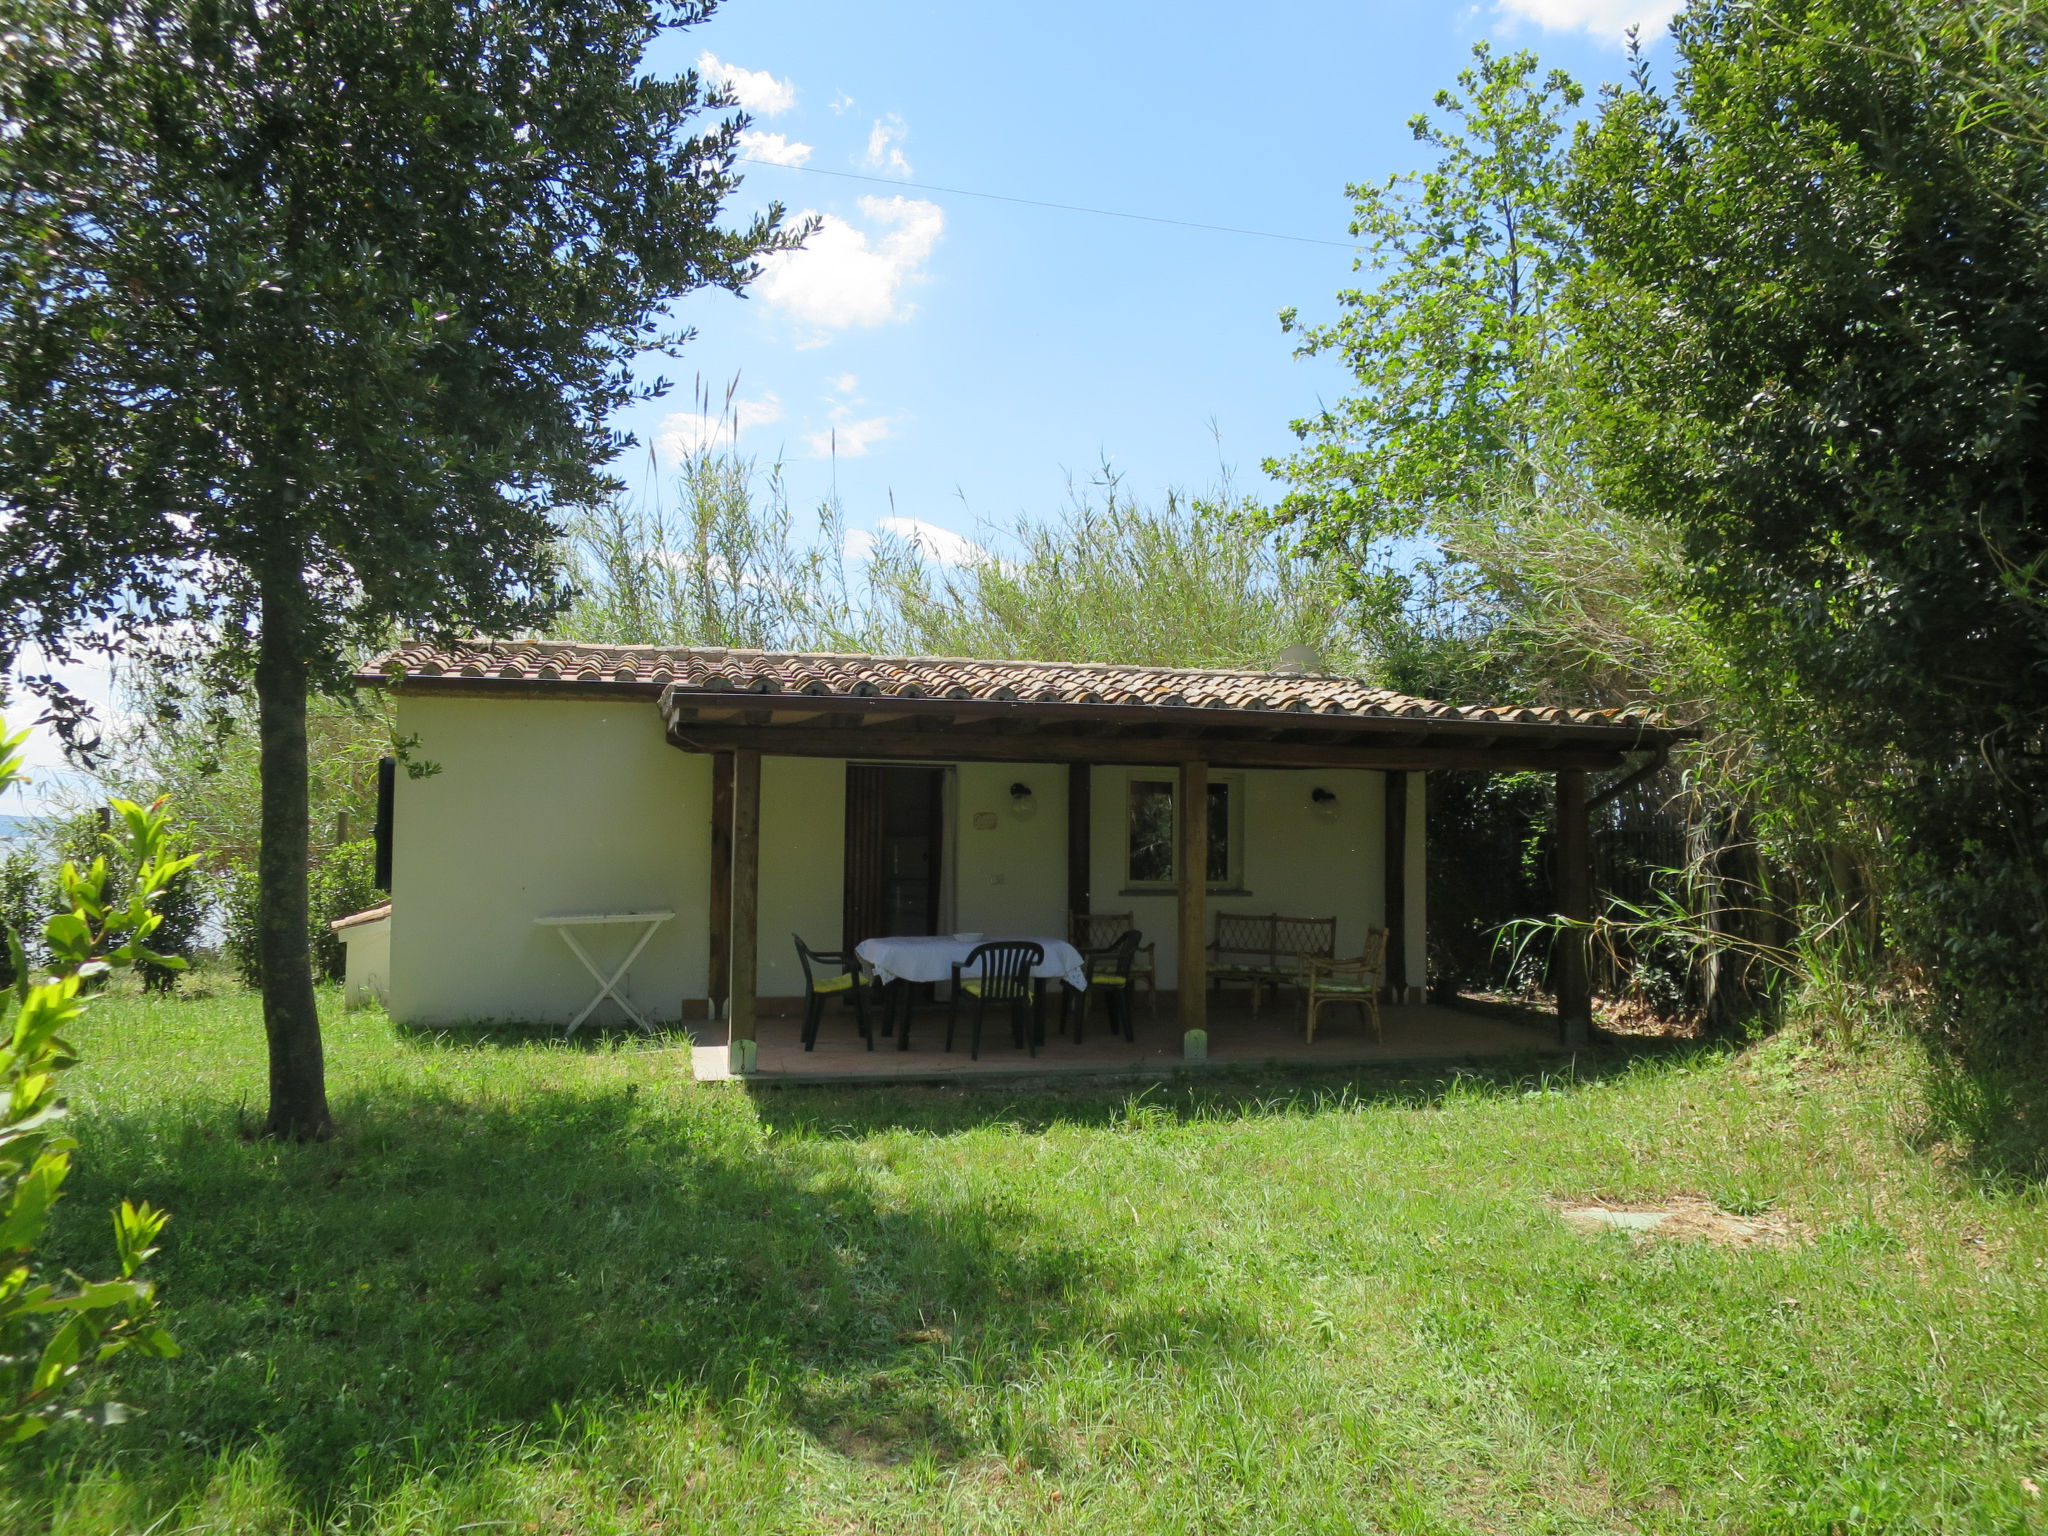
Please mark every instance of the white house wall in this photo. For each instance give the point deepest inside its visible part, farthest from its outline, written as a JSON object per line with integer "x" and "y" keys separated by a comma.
{"x": 1295, "y": 862}
{"x": 803, "y": 865}
{"x": 1011, "y": 877}
{"x": 542, "y": 808}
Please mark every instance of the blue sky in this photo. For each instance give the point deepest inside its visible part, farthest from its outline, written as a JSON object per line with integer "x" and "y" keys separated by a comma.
{"x": 970, "y": 357}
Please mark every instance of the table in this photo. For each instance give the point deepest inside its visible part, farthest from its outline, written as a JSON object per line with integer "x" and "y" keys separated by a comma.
{"x": 607, "y": 986}
{"x": 931, "y": 957}
{"x": 914, "y": 958}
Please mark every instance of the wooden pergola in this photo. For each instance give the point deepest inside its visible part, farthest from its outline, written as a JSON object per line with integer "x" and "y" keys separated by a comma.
{"x": 1268, "y": 722}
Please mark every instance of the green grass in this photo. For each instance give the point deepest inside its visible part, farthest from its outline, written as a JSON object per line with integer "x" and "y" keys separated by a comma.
{"x": 533, "y": 1289}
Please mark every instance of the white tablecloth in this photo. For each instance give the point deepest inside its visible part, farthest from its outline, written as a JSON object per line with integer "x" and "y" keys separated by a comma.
{"x": 933, "y": 958}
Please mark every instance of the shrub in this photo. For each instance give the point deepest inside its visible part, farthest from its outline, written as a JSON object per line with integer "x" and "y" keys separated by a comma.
{"x": 21, "y": 908}
{"x": 342, "y": 881}
{"x": 53, "y": 1329}
{"x": 181, "y": 903}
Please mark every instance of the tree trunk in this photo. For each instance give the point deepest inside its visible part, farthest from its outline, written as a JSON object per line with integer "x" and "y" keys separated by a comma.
{"x": 298, "y": 1071}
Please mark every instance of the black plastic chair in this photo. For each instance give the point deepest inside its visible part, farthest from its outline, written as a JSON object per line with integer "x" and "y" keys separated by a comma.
{"x": 1005, "y": 977}
{"x": 817, "y": 989}
{"x": 1110, "y": 970}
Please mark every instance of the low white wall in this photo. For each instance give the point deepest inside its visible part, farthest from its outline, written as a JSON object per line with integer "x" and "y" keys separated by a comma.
{"x": 366, "y": 975}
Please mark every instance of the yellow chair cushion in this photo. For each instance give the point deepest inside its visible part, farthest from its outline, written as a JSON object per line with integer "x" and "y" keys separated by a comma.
{"x": 1347, "y": 988}
{"x": 1109, "y": 981}
{"x": 834, "y": 983}
{"x": 972, "y": 984}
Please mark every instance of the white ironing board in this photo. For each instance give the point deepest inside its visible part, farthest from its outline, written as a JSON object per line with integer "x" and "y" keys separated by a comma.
{"x": 607, "y": 986}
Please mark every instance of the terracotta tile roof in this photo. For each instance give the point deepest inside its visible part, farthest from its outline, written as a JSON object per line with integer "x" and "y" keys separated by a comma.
{"x": 681, "y": 671}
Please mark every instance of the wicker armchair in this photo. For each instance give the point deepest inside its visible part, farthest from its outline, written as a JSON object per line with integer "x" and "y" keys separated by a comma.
{"x": 1357, "y": 982}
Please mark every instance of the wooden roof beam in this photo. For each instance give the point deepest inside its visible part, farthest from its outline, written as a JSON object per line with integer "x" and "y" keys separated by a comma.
{"x": 991, "y": 746}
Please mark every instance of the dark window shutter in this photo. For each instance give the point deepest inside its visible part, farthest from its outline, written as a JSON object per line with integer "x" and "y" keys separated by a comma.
{"x": 387, "y": 787}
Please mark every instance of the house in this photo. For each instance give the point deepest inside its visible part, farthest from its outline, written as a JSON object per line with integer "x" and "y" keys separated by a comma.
{"x": 751, "y": 795}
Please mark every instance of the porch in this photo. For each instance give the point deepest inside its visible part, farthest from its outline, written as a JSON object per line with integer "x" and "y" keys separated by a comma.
{"x": 1410, "y": 1032}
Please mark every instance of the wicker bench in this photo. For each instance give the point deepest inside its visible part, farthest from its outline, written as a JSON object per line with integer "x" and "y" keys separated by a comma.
{"x": 1269, "y": 951}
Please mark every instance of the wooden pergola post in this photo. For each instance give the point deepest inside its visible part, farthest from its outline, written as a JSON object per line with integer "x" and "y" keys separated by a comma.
{"x": 718, "y": 961}
{"x": 1575, "y": 904}
{"x": 746, "y": 890}
{"x": 1192, "y": 867}
{"x": 1397, "y": 886}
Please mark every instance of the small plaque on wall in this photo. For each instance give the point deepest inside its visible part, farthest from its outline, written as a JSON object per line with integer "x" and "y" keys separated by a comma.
{"x": 984, "y": 821}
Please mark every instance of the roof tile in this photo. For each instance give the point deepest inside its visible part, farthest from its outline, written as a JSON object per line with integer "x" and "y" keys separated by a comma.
{"x": 713, "y": 670}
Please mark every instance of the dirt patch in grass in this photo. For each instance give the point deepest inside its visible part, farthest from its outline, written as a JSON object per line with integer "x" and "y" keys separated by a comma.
{"x": 1683, "y": 1217}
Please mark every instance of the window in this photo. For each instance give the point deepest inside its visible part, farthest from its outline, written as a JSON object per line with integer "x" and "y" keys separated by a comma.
{"x": 1152, "y": 860}
{"x": 1151, "y": 832}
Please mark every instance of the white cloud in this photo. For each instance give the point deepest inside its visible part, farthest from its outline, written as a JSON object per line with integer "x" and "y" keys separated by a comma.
{"x": 843, "y": 384}
{"x": 773, "y": 148}
{"x": 683, "y": 434}
{"x": 54, "y": 784}
{"x": 843, "y": 277}
{"x": 885, "y": 145}
{"x": 755, "y": 89}
{"x": 842, "y": 103}
{"x": 848, "y": 438}
{"x": 1603, "y": 18}
{"x": 935, "y": 543}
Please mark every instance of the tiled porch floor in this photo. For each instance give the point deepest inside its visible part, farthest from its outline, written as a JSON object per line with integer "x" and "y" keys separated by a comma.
{"x": 1410, "y": 1033}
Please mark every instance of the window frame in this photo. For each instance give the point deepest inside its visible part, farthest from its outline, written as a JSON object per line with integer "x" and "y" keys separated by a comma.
{"x": 1234, "y": 793}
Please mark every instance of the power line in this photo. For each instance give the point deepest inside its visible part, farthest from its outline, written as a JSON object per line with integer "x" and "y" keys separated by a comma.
{"x": 1032, "y": 202}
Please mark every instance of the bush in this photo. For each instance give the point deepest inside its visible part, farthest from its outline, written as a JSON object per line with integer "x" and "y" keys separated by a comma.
{"x": 54, "y": 1327}
{"x": 181, "y": 904}
{"x": 21, "y": 908}
{"x": 342, "y": 881}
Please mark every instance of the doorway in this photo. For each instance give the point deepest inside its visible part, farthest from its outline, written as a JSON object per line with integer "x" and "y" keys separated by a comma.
{"x": 895, "y": 848}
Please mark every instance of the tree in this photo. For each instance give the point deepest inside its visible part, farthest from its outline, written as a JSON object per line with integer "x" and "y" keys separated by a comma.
{"x": 315, "y": 313}
{"x": 1821, "y": 341}
{"x": 201, "y": 749}
{"x": 1453, "y": 346}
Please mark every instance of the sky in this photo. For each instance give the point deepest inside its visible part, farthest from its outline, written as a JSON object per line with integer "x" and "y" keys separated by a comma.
{"x": 947, "y": 363}
{"x": 961, "y": 361}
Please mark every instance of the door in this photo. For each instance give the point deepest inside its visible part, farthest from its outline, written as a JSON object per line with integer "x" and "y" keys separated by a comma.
{"x": 895, "y": 827}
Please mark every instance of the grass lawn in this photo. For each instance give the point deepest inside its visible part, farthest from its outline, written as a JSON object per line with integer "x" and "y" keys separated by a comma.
{"x": 535, "y": 1290}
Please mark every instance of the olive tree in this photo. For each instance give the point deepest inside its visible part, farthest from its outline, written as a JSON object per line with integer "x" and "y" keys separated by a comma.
{"x": 315, "y": 313}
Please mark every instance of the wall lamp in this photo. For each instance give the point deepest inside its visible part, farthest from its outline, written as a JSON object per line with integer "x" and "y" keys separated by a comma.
{"x": 1323, "y": 803}
{"x": 1023, "y": 804}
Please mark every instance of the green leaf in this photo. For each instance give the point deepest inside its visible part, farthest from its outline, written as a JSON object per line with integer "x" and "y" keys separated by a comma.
{"x": 26, "y": 1207}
